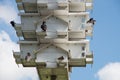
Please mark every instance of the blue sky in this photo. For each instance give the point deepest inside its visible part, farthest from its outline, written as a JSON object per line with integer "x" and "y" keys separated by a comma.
{"x": 105, "y": 43}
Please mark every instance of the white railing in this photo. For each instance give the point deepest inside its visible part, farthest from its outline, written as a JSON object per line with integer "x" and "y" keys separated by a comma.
{"x": 29, "y": 1}
{"x": 77, "y": 0}
{"x": 51, "y": 1}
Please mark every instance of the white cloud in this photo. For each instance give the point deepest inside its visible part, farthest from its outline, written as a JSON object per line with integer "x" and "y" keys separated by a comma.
{"x": 110, "y": 72}
{"x": 8, "y": 12}
{"x": 8, "y": 68}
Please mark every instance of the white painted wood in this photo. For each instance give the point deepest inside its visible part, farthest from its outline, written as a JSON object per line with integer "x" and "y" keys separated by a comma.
{"x": 89, "y": 6}
{"x": 50, "y": 55}
{"x": 28, "y": 22}
{"x": 20, "y": 6}
{"x": 77, "y": 6}
{"x": 89, "y": 1}
{"x": 63, "y": 45}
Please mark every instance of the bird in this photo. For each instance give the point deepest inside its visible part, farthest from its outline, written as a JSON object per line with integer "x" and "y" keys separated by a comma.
{"x": 91, "y": 20}
{"x": 83, "y": 54}
{"x": 12, "y": 23}
{"x": 28, "y": 57}
{"x": 61, "y": 58}
{"x": 44, "y": 26}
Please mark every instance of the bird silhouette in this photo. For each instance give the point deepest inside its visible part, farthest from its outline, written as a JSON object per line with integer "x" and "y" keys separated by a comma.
{"x": 44, "y": 26}
{"x": 12, "y": 23}
{"x": 28, "y": 57}
{"x": 61, "y": 58}
{"x": 91, "y": 20}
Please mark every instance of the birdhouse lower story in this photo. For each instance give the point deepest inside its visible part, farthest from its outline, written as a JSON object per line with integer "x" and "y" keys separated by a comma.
{"x": 54, "y": 60}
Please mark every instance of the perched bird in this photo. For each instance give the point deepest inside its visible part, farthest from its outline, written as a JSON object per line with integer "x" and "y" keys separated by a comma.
{"x": 44, "y": 26}
{"x": 12, "y": 23}
{"x": 28, "y": 57}
{"x": 83, "y": 54}
{"x": 61, "y": 58}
